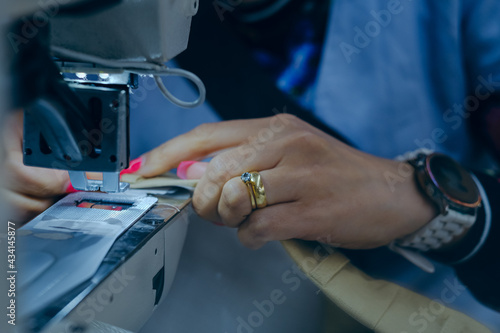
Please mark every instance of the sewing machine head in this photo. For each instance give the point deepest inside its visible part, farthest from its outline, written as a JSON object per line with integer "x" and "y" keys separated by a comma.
{"x": 73, "y": 72}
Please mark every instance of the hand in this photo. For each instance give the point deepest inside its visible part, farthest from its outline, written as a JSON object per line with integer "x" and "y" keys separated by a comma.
{"x": 317, "y": 187}
{"x": 27, "y": 190}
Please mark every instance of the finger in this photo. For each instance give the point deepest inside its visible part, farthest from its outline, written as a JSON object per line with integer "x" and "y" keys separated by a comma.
{"x": 234, "y": 205}
{"x": 272, "y": 223}
{"x": 34, "y": 182}
{"x": 196, "y": 170}
{"x": 13, "y": 132}
{"x": 229, "y": 165}
{"x": 206, "y": 139}
{"x": 24, "y": 207}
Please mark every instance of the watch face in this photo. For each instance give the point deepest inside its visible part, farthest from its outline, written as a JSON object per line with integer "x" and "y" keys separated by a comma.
{"x": 453, "y": 180}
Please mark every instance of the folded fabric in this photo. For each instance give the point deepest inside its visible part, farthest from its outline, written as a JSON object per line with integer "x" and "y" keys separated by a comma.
{"x": 137, "y": 181}
{"x": 377, "y": 304}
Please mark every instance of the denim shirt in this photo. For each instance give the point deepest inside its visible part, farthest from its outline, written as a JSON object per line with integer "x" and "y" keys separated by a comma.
{"x": 399, "y": 75}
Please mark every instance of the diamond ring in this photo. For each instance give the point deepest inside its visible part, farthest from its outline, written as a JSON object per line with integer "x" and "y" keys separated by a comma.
{"x": 255, "y": 188}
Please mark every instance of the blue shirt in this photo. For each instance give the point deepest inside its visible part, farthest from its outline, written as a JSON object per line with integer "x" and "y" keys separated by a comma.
{"x": 399, "y": 75}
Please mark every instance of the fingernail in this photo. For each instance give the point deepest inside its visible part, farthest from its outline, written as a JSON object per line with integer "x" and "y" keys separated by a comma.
{"x": 218, "y": 224}
{"x": 182, "y": 168}
{"x": 70, "y": 188}
{"x": 134, "y": 166}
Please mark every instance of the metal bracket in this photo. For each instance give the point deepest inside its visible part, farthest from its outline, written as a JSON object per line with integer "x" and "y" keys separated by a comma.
{"x": 110, "y": 182}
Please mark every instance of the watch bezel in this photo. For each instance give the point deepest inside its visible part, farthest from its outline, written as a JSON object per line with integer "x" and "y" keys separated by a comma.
{"x": 443, "y": 191}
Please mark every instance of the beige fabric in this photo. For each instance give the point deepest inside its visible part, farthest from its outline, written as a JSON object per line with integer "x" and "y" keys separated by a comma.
{"x": 337, "y": 320}
{"x": 137, "y": 181}
{"x": 379, "y": 305}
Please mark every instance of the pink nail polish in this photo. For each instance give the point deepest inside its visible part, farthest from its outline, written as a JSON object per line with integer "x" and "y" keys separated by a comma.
{"x": 182, "y": 168}
{"x": 70, "y": 188}
{"x": 218, "y": 224}
{"x": 134, "y": 166}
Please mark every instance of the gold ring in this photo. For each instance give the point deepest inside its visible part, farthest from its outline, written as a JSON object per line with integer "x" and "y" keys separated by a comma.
{"x": 255, "y": 188}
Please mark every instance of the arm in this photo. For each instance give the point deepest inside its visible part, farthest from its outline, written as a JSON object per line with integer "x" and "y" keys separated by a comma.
{"x": 317, "y": 187}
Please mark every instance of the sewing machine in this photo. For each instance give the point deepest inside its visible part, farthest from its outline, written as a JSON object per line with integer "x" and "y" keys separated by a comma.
{"x": 94, "y": 261}
{"x": 76, "y": 107}
{"x": 100, "y": 262}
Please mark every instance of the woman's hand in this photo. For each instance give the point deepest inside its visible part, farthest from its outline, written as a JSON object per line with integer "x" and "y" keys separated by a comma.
{"x": 27, "y": 190}
{"x": 317, "y": 187}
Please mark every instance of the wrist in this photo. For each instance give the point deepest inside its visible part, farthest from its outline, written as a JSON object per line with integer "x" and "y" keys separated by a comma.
{"x": 414, "y": 206}
{"x": 455, "y": 196}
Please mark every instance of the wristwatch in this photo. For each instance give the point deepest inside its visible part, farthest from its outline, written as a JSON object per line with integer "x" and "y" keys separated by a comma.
{"x": 454, "y": 192}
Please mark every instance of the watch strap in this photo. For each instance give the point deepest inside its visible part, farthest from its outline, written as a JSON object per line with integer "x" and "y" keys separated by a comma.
{"x": 440, "y": 231}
